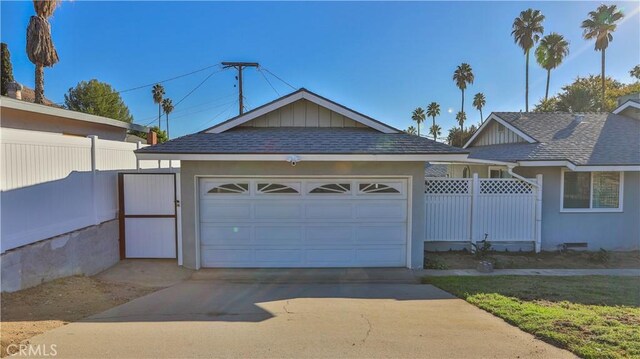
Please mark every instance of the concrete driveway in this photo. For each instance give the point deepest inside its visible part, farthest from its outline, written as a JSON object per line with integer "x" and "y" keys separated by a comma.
{"x": 200, "y": 318}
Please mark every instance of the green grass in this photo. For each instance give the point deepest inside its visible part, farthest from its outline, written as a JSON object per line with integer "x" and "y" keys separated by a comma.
{"x": 593, "y": 316}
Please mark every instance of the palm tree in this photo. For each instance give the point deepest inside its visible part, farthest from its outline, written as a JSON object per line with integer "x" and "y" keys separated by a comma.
{"x": 461, "y": 117}
{"x": 478, "y": 102}
{"x": 411, "y": 130}
{"x": 600, "y": 25}
{"x": 462, "y": 76}
{"x": 40, "y": 49}
{"x": 552, "y": 50}
{"x": 433, "y": 110}
{"x": 526, "y": 31}
{"x": 418, "y": 116}
{"x": 167, "y": 107}
{"x": 436, "y": 131}
{"x": 158, "y": 93}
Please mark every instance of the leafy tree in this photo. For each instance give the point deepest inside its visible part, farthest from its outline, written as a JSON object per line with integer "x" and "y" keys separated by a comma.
{"x": 435, "y": 131}
{"x": 583, "y": 95}
{"x": 7, "y": 69}
{"x": 635, "y": 72}
{"x": 411, "y": 130}
{"x": 458, "y": 137}
{"x": 461, "y": 117}
{"x": 158, "y": 93}
{"x": 418, "y": 117}
{"x": 462, "y": 76}
{"x": 40, "y": 49}
{"x": 526, "y": 31}
{"x": 161, "y": 134}
{"x": 97, "y": 98}
{"x": 552, "y": 50}
{"x": 433, "y": 110}
{"x": 167, "y": 107}
{"x": 600, "y": 26}
{"x": 478, "y": 102}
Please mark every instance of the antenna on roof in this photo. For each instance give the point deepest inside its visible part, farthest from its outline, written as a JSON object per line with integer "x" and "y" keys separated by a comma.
{"x": 239, "y": 66}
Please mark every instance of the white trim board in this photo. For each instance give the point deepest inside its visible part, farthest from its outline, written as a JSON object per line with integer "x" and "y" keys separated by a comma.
{"x": 591, "y": 209}
{"x": 494, "y": 117}
{"x": 576, "y": 168}
{"x": 456, "y": 157}
{"x": 624, "y": 106}
{"x": 295, "y": 96}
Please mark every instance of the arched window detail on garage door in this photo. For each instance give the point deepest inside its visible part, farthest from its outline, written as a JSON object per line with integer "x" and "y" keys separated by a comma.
{"x": 372, "y": 188}
{"x": 277, "y": 188}
{"x": 332, "y": 188}
{"x": 232, "y": 188}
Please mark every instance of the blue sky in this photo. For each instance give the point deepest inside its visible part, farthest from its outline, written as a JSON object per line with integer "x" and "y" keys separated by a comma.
{"x": 381, "y": 58}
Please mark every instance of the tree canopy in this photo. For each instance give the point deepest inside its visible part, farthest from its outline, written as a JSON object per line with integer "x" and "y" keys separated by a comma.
{"x": 97, "y": 98}
{"x": 7, "y": 69}
{"x": 584, "y": 95}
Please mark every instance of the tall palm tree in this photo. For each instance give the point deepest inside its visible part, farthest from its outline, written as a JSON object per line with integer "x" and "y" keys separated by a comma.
{"x": 552, "y": 50}
{"x": 600, "y": 25}
{"x": 461, "y": 117}
{"x": 40, "y": 49}
{"x": 167, "y": 107}
{"x": 462, "y": 76}
{"x": 526, "y": 32}
{"x": 435, "y": 131}
{"x": 478, "y": 102}
{"x": 433, "y": 110}
{"x": 418, "y": 117}
{"x": 158, "y": 93}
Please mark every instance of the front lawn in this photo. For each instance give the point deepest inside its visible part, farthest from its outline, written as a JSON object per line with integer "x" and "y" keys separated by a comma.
{"x": 592, "y": 316}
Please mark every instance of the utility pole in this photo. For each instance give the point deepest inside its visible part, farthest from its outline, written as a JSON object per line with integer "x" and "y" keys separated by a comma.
{"x": 239, "y": 66}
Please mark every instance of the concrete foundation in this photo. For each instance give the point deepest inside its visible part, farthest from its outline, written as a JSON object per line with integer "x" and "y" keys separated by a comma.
{"x": 87, "y": 251}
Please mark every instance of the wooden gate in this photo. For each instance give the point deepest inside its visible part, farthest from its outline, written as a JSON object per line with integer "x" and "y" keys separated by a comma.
{"x": 148, "y": 213}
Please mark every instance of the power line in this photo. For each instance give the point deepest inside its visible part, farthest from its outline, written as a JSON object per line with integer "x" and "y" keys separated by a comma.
{"x": 155, "y": 117}
{"x": 276, "y": 76}
{"x": 269, "y": 82}
{"x": 231, "y": 104}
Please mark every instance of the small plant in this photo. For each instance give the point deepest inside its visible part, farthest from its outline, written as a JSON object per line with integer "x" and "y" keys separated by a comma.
{"x": 601, "y": 256}
{"x": 482, "y": 248}
{"x": 434, "y": 263}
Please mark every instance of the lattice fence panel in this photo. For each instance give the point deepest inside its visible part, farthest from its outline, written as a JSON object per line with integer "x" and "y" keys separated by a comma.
{"x": 448, "y": 186}
{"x": 505, "y": 186}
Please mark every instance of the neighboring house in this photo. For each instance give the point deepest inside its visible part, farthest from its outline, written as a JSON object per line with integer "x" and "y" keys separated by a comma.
{"x": 302, "y": 182}
{"x": 23, "y": 115}
{"x": 590, "y": 164}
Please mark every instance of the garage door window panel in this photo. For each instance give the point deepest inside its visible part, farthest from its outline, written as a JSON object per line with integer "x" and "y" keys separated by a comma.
{"x": 278, "y": 188}
{"x": 332, "y": 188}
{"x": 230, "y": 188}
{"x": 380, "y": 188}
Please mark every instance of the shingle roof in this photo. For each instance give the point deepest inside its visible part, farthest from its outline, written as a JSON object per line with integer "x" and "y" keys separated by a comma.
{"x": 301, "y": 140}
{"x": 599, "y": 139}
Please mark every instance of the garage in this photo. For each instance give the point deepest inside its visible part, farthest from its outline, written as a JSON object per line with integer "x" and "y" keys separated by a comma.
{"x": 303, "y": 222}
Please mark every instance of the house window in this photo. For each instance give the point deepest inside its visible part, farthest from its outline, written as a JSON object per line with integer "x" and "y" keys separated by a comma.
{"x": 230, "y": 188}
{"x": 498, "y": 172}
{"x": 275, "y": 188}
{"x": 592, "y": 191}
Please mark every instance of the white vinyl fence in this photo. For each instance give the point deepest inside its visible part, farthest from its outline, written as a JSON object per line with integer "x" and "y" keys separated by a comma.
{"x": 53, "y": 184}
{"x": 470, "y": 209}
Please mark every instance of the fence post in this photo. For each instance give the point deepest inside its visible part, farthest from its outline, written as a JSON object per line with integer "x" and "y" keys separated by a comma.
{"x": 138, "y": 146}
{"x": 538, "y": 229}
{"x": 475, "y": 190}
{"x": 94, "y": 167}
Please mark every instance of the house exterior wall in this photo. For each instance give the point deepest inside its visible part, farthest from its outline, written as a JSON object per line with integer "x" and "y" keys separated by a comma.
{"x": 607, "y": 230}
{"x": 302, "y": 113}
{"x": 191, "y": 169}
{"x": 496, "y": 133}
{"x": 24, "y": 120}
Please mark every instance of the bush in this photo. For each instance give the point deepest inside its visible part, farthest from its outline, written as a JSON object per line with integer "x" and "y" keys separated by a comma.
{"x": 434, "y": 263}
{"x": 601, "y": 256}
{"x": 482, "y": 249}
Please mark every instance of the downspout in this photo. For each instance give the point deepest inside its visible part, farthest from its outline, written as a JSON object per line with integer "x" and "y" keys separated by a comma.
{"x": 538, "y": 219}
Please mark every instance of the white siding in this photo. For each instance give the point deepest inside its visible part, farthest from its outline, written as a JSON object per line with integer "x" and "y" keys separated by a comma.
{"x": 302, "y": 113}
{"x": 495, "y": 133}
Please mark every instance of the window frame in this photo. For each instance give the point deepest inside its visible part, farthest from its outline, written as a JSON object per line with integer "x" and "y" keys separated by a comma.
{"x": 591, "y": 209}
{"x": 503, "y": 172}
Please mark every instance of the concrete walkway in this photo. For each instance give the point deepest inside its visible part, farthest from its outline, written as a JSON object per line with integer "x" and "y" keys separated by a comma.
{"x": 209, "y": 319}
{"x": 543, "y": 272}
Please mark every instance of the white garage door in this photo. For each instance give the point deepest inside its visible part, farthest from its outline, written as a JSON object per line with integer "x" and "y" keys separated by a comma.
{"x": 275, "y": 222}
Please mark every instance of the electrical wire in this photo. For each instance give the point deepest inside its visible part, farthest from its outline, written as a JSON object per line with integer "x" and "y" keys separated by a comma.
{"x": 269, "y": 82}
{"x": 276, "y": 76}
{"x": 231, "y": 104}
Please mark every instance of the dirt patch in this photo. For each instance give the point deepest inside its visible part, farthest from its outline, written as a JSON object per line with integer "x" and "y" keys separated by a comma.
{"x": 544, "y": 260}
{"x": 32, "y": 311}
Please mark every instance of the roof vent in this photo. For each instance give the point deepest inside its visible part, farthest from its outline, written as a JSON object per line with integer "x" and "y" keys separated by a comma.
{"x": 578, "y": 118}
